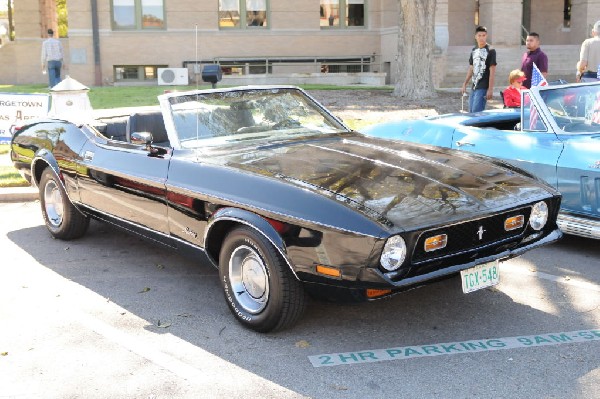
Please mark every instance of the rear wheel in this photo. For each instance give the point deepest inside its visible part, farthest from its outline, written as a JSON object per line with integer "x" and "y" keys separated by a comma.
{"x": 62, "y": 219}
{"x": 260, "y": 289}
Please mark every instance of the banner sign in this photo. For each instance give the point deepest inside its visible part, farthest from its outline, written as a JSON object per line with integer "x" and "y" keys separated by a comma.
{"x": 18, "y": 109}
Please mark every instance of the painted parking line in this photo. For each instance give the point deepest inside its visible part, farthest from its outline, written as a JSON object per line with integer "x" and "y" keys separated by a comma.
{"x": 453, "y": 348}
{"x": 507, "y": 267}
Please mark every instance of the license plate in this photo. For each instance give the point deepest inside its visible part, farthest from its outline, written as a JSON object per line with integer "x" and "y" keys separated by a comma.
{"x": 480, "y": 276}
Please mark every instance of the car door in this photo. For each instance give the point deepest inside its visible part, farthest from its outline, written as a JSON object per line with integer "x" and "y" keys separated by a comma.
{"x": 535, "y": 148}
{"x": 126, "y": 182}
{"x": 579, "y": 174}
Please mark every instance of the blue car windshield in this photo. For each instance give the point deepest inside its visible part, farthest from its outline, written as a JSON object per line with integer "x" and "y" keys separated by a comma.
{"x": 213, "y": 118}
{"x": 576, "y": 109}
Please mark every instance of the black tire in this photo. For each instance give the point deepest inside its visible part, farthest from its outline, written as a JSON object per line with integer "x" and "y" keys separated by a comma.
{"x": 260, "y": 289}
{"x": 62, "y": 219}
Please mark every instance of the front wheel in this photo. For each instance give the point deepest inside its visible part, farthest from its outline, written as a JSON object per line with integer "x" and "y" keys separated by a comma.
{"x": 260, "y": 289}
{"x": 62, "y": 219}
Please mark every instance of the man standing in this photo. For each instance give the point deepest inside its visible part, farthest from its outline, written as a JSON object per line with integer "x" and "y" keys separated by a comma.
{"x": 52, "y": 57}
{"x": 534, "y": 54}
{"x": 481, "y": 73}
{"x": 589, "y": 56}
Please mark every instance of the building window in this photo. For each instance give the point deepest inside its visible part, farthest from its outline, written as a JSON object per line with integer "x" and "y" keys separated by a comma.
{"x": 137, "y": 73}
{"x": 567, "y": 14}
{"x": 342, "y": 13}
{"x": 138, "y": 14}
{"x": 254, "y": 13}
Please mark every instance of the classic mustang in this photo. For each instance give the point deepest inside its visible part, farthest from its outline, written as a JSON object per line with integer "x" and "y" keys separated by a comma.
{"x": 555, "y": 135}
{"x": 284, "y": 199}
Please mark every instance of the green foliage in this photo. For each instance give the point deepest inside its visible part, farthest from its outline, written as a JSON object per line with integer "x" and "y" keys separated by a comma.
{"x": 61, "y": 10}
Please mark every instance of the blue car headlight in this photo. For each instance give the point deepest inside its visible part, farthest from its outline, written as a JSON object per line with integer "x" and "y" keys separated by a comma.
{"x": 539, "y": 216}
{"x": 393, "y": 254}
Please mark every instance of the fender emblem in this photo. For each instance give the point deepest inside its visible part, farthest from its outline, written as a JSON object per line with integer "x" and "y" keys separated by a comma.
{"x": 190, "y": 232}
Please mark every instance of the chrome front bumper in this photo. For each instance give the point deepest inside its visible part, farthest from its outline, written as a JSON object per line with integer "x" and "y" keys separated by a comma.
{"x": 579, "y": 226}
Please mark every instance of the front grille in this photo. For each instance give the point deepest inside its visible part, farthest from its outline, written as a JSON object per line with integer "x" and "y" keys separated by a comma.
{"x": 471, "y": 235}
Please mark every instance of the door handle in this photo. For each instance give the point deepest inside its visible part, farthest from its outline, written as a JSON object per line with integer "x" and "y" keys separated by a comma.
{"x": 461, "y": 143}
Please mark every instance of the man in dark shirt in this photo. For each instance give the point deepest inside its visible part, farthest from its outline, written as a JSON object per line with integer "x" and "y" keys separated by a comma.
{"x": 533, "y": 55}
{"x": 481, "y": 73}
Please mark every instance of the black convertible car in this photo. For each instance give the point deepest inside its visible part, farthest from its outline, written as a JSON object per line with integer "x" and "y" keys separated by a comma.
{"x": 284, "y": 199}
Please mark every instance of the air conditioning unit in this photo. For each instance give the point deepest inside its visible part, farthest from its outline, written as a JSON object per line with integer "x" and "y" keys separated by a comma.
{"x": 172, "y": 76}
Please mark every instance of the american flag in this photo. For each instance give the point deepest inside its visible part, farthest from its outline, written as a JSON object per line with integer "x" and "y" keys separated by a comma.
{"x": 537, "y": 79}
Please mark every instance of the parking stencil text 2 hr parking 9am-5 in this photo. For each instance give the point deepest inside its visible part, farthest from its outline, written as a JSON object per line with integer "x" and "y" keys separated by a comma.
{"x": 453, "y": 348}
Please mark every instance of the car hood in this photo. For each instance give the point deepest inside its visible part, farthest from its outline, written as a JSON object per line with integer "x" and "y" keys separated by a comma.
{"x": 397, "y": 183}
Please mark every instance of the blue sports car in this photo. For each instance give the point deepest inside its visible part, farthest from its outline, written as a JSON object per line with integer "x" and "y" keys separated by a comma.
{"x": 555, "y": 135}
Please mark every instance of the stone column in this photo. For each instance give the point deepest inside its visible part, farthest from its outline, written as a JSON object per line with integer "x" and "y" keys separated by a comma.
{"x": 503, "y": 21}
{"x": 584, "y": 14}
{"x": 442, "y": 35}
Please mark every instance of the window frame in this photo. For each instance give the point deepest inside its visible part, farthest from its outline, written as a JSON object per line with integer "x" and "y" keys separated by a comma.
{"x": 243, "y": 17}
{"x": 137, "y": 4}
{"x": 140, "y": 72}
{"x": 343, "y": 17}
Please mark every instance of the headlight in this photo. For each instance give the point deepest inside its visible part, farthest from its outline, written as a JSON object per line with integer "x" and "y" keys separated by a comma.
{"x": 394, "y": 253}
{"x": 539, "y": 216}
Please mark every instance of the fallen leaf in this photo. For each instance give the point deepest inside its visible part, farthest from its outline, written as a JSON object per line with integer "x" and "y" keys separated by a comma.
{"x": 67, "y": 248}
{"x": 146, "y": 289}
{"x": 4, "y": 353}
{"x": 159, "y": 266}
{"x": 184, "y": 315}
{"x": 567, "y": 278}
{"x": 164, "y": 325}
{"x": 302, "y": 344}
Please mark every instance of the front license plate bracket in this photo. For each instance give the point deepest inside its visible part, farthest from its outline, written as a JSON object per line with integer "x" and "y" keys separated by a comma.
{"x": 480, "y": 276}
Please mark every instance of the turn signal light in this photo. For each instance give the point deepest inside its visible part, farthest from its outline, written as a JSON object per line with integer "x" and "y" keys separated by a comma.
{"x": 329, "y": 271}
{"x": 436, "y": 242}
{"x": 514, "y": 222}
{"x": 373, "y": 293}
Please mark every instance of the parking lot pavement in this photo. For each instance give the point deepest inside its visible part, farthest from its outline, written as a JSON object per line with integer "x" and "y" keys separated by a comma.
{"x": 110, "y": 315}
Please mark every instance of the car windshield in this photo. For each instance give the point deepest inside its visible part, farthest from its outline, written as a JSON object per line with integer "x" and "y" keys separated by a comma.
{"x": 576, "y": 109}
{"x": 213, "y": 118}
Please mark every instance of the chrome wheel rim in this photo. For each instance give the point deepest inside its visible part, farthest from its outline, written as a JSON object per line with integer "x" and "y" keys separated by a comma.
{"x": 249, "y": 279}
{"x": 53, "y": 203}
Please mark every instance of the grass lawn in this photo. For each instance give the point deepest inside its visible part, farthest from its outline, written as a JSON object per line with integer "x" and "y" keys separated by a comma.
{"x": 133, "y": 96}
{"x": 9, "y": 177}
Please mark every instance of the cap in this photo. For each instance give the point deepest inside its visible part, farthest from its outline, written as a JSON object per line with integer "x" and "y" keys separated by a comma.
{"x": 597, "y": 27}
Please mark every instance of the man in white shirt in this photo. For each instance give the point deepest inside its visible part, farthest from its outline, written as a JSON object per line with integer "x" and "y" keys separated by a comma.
{"x": 589, "y": 57}
{"x": 52, "y": 58}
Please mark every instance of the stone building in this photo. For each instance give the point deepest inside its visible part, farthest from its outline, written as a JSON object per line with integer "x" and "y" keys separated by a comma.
{"x": 282, "y": 41}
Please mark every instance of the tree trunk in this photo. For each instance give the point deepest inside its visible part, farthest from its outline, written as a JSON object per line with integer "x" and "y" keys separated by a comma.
{"x": 416, "y": 42}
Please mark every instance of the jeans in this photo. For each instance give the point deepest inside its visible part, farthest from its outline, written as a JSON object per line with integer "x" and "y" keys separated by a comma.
{"x": 477, "y": 100}
{"x": 54, "y": 73}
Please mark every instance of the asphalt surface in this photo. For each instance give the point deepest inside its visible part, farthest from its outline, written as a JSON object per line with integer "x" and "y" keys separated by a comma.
{"x": 111, "y": 316}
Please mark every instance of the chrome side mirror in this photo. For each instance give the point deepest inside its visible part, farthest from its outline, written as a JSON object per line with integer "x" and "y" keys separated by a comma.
{"x": 142, "y": 138}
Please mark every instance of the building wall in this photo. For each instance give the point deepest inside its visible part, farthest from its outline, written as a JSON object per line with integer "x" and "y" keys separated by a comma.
{"x": 294, "y": 31}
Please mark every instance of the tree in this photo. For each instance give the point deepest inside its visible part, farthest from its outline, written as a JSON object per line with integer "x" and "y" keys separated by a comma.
{"x": 416, "y": 42}
{"x": 61, "y": 10}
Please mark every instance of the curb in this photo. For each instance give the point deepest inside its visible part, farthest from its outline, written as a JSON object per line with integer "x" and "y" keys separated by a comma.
{"x": 18, "y": 194}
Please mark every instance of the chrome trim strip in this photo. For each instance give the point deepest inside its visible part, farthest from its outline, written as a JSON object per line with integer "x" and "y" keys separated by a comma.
{"x": 579, "y": 226}
{"x": 139, "y": 227}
